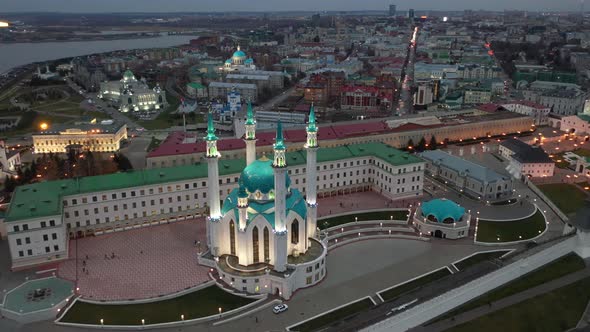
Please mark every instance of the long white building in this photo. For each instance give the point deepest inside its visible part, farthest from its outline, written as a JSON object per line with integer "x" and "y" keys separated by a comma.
{"x": 42, "y": 216}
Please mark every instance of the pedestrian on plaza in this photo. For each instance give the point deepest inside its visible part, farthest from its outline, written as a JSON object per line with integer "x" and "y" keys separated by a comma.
{"x": 113, "y": 255}
{"x": 86, "y": 256}
{"x": 83, "y": 269}
{"x": 141, "y": 252}
{"x": 84, "y": 263}
{"x": 256, "y": 319}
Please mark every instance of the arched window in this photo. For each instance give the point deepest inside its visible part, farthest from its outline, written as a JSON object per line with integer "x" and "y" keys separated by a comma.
{"x": 266, "y": 236}
{"x": 255, "y": 244}
{"x": 232, "y": 237}
{"x": 295, "y": 231}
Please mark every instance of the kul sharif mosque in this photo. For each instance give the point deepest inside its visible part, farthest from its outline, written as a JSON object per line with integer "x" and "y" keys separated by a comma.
{"x": 263, "y": 237}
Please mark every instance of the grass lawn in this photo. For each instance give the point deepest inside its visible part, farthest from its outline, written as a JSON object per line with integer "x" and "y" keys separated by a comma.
{"x": 582, "y": 152}
{"x": 479, "y": 257}
{"x": 334, "y": 316}
{"x": 379, "y": 215}
{"x": 558, "y": 310}
{"x": 201, "y": 303}
{"x": 396, "y": 292}
{"x": 568, "y": 197}
{"x": 515, "y": 230}
{"x": 556, "y": 269}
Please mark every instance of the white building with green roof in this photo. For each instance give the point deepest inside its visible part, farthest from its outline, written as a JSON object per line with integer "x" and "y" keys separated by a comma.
{"x": 132, "y": 95}
{"x": 42, "y": 217}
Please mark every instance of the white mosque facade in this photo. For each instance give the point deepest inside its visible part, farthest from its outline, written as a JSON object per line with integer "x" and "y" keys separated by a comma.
{"x": 132, "y": 95}
{"x": 239, "y": 62}
{"x": 263, "y": 237}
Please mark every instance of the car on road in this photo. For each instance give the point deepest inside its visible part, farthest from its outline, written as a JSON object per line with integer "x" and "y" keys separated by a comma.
{"x": 280, "y": 308}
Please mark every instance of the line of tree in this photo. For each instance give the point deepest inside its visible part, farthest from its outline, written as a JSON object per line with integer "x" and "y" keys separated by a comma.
{"x": 422, "y": 145}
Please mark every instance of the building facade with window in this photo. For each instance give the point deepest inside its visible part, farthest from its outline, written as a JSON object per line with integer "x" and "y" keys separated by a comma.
{"x": 469, "y": 178}
{"x": 105, "y": 136}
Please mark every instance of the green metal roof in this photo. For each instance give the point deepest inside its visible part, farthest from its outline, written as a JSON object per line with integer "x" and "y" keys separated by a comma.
{"x": 45, "y": 198}
{"x": 196, "y": 85}
{"x": 442, "y": 209}
{"x": 295, "y": 203}
{"x": 260, "y": 175}
{"x": 584, "y": 117}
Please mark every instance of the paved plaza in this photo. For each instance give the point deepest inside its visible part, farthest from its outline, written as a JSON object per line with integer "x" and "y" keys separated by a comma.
{"x": 148, "y": 262}
{"x": 360, "y": 201}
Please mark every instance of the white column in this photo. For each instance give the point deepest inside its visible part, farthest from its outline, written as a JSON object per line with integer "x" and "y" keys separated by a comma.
{"x": 250, "y": 151}
{"x": 280, "y": 199}
{"x": 281, "y": 237}
{"x": 214, "y": 204}
{"x": 311, "y": 192}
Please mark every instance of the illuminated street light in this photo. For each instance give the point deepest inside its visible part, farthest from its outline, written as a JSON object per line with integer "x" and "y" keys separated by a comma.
{"x": 44, "y": 126}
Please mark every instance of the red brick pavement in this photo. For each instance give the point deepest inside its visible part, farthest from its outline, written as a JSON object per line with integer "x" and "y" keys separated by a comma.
{"x": 148, "y": 262}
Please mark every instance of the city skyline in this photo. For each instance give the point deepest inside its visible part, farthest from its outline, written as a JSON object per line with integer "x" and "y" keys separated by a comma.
{"x": 281, "y": 5}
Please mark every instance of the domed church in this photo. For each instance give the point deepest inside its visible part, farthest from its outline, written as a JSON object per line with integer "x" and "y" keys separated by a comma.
{"x": 239, "y": 62}
{"x": 263, "y": 237}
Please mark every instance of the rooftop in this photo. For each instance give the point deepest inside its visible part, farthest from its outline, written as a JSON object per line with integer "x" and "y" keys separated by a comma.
{"x": 464, "y": 167}
{"x": 175, "y": 143}
{"x": 108, "y": 127}
{"x": 45, "y": 198}
{"x": 525, "y": 153}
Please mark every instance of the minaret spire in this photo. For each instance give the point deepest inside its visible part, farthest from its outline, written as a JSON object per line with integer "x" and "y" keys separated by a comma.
{"x": 280, "y": 171}
{"x": 212, "y": 156}
{"x": 250, "y": 137}
{"x": 311, "y": 174}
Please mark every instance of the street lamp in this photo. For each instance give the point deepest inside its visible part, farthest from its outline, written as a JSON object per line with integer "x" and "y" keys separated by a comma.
{"x": 101, "y": 321}
{"x": 219, "y": 312}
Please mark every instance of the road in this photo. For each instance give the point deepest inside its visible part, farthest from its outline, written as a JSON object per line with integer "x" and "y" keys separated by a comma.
{"x": 276, "y": 100}
{"x": 406, "y": 100}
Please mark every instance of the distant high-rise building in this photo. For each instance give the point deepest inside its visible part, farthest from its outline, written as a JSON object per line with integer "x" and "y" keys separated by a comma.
{"x": 411, "y": 13}
{"x": 392, "y": 10}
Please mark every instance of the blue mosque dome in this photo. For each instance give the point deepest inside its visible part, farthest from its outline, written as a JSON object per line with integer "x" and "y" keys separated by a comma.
{"x": 259, "y": 175}
{"x": 239, "y": 54}
{"x": 442, "y": 209}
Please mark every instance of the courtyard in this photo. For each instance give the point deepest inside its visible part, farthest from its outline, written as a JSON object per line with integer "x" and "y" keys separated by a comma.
{"x": 148, "y": 262}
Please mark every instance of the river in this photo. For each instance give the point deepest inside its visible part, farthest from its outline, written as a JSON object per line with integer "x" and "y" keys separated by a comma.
{"x": 18, "y": 54}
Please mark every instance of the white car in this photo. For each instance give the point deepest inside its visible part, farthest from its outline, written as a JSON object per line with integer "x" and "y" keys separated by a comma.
{"x": 280, "y": 308}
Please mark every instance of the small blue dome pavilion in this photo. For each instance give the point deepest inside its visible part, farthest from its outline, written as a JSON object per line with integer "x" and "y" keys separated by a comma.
{"x": 442, "y": 210}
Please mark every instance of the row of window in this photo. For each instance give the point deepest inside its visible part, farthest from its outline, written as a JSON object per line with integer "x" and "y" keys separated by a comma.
{"x": 21, "y": 253}
{"x": 134, "y": 215}
{"x": 25, "y": 227}
{"x": 134, "y": 205}
{"x": 135, "y": 193}
{"x": 28, "y": 239}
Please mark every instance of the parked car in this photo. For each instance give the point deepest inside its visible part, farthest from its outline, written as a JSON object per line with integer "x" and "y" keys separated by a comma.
{"x": 280, "y": 308}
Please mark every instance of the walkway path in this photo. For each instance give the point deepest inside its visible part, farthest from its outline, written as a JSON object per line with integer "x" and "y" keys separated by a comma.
{"x": 505, "y": 302}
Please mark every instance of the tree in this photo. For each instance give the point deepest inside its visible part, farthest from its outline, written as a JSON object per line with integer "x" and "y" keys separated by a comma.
{"x": 411, "y": 144}
{"x": 9, "y": 184}
{"x": 432, "y": 144}
{"x": 123, "y": 163}
{"x": 421, "y": 145}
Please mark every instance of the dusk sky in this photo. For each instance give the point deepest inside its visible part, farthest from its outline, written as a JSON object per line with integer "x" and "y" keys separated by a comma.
{"x": 277, "y": 5}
